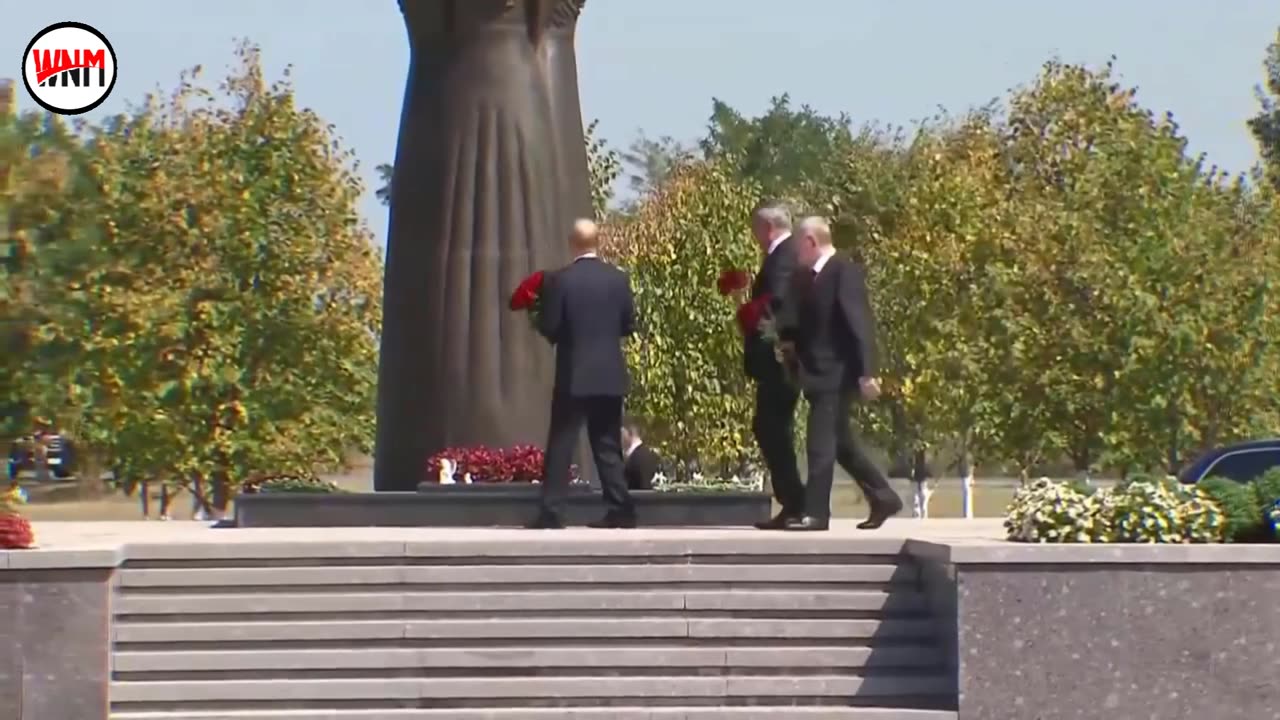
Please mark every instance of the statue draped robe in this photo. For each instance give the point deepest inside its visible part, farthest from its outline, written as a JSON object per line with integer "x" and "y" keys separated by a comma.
{"x": 490, "y": 172}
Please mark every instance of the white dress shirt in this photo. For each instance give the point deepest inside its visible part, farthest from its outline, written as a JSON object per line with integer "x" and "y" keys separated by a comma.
{"x": 822, "y": 260}
{"x": 774, "y": 243}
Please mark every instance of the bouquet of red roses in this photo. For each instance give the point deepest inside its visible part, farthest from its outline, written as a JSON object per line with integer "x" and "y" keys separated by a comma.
{"x": 755, "y": 317}
{"x": 733, "y": 281}
{"x": 527, "y": 296}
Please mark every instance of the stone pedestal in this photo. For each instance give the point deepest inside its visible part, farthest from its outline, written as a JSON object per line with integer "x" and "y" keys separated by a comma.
{"x": 55, "y": 641}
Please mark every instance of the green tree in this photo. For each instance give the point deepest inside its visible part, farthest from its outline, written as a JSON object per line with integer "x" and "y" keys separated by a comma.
{"x": 604, "y": 165}
{"x": 44, "y": 199}
{"x": 650, "y": 162}
{"x": 940, "y": 324}
{"x": 1265, "y": 126}
{"x": 228, "y": 323}
{"x": 686, "y": 359}
{"x": 782, "y": 150}
{"x": 383, "y": 193}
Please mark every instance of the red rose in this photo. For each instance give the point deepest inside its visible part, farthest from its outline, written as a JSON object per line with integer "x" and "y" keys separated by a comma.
{"x": 527, "y": 292}
{"x": 731, "y": 281}
{"x": 750, "y": 313}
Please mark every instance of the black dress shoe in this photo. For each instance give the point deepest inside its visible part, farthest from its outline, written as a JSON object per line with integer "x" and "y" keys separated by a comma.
{"x": 613, "y": 522}
{"x": 878, "y": 516}
{"x": 777, "y": 522}
{"x": 545, "y": 521}
{"x": 808, "y": 523}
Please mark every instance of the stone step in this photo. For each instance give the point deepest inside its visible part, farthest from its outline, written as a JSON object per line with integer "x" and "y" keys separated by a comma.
{"x": 782, "y": 712}
{"x": 528, "y": 688}
{"x": 348, "y": 575}
{"x": 792, "y": 601}
{"x": 376, "y": 659}
{"x": 246, "y": 630}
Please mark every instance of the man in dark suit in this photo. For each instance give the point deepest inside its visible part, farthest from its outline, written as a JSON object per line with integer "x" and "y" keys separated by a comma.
{"x": 828, "y": 327}
{"x": 642, "y": 463}
{"x": 586, "y": 311}
{"x": 774, "y": 422}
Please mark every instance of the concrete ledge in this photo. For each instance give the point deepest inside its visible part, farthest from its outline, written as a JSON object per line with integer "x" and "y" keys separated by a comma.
{"x": 509, "y": 505}
{"x": 781, "y": 712}
{"x": 38, "y": 559}
{"x": 613, "y": 656}
{"x": 793, "y": 601}
{"x": 1010, "y": 553}
{"x": 526, "y": 688}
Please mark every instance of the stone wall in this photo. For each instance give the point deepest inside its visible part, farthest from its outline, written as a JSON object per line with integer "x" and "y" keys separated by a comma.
{"x": 1111, "y": 632}
{"x": 55, "y": 640}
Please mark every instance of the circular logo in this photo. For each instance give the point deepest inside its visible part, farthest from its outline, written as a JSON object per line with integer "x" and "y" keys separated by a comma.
{"x": 69, "y": 68}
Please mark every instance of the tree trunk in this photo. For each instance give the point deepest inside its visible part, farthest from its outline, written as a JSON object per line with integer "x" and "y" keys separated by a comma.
{"x": 89, "y": 484}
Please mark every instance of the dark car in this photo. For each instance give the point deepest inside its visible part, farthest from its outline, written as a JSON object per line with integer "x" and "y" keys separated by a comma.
{"x": 59, "y": 459}
{"x": 1243, "y": 462}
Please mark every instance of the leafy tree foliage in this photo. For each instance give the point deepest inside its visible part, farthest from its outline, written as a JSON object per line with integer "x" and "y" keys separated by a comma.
{"x": 383, "y": 193}
{"x": 1265, "y": 126}
{"x": 1061, "y": 279}
{"x": 651, "y": 161}
{"x": 226, "y": 311}
{"x": 604, "y": 165}
{"x": 686, "y": 361}
{"x": 783, "y": 149}
{"x": 41, "y": 191}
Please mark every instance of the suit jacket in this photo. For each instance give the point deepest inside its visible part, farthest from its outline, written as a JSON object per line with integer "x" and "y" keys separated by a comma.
{"x": 829, "y": 319}
{"x": 758, "y": 358}
{"x": 587, "y": 310}
{"x": 642, "y": 464}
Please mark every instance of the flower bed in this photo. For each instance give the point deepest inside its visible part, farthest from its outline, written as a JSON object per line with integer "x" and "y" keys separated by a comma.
{"x": 15, "y": 530}
{"x": 464, "y": 466}
{"x": 1146, "y": 510}
{"x": 698, "y": 482}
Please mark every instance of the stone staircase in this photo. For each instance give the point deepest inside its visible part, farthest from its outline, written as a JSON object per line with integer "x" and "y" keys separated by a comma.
{"x": 626, "y": 636}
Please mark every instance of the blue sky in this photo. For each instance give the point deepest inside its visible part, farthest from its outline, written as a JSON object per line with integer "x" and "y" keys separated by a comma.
{"x": 656, "y": 64}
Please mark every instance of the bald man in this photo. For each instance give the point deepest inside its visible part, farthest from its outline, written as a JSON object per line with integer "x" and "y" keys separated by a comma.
{"x": 829, "y": 329}
{"x": 587, "y": 311}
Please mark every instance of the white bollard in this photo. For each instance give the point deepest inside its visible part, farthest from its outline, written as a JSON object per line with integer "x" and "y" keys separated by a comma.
{"x": 966, "y": 495}
{"x": 920, "y": 502}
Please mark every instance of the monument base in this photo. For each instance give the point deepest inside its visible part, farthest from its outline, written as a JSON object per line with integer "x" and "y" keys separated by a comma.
{"x": 490, "y": 506}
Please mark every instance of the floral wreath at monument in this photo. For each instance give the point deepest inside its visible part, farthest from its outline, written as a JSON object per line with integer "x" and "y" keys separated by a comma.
{"x": 15, "y": 530}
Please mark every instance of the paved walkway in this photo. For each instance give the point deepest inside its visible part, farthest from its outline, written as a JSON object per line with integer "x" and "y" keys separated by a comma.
{"x": 96, "y": 535}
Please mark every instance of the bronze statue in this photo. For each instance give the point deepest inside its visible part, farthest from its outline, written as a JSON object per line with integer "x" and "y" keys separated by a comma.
{"x": 490, "y": 172}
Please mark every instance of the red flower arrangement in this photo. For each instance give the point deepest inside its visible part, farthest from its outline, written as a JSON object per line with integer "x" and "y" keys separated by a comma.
{"x": 751, "y": 313}
{"x": 732, "y": 281}
{"x": 15, "y": 532}
{"x": 527, "y": 296}
{"x": 519, "y": 464}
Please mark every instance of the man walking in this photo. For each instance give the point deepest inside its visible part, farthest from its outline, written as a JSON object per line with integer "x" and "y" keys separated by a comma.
{"x": 828, "y": 327}
{"x": 774, "y": 422}
{"x": 587, "y": 310}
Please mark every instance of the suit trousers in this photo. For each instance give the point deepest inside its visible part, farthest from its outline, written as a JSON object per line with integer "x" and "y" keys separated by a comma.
{"x": 602, "y": 415}
{"x": 774, "y": 430}
{"x": 829, "y": 441}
